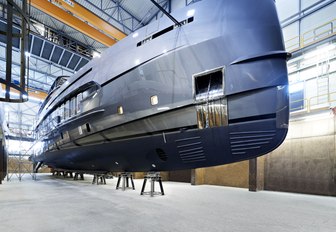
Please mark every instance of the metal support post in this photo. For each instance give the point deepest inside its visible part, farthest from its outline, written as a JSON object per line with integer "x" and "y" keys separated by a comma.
{"x": 256, "y": 174}
{"x": 8, "y": 82}
{"x": 99, "y": 179}
{"x": 79, "y": 176}
{"x": 152, "y": 176}
{"x": 124, "y": 178}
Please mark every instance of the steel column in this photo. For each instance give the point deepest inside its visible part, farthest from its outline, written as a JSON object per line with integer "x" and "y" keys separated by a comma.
{"x": 9, "y": 45}
{"x": 256, "y": 174}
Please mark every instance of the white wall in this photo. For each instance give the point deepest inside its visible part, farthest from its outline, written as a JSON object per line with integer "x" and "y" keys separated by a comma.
{"x": 291, "y": 35}
{"x": 318, "y": 18}
{"x": 307, "y": 3}
{"x": 304, "y": 27}
{"x": 287, "y": 8}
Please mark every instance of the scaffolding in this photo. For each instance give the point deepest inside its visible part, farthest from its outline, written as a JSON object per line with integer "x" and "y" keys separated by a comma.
{"x": 18, "y": 144}
{"x": 15, "y": 90}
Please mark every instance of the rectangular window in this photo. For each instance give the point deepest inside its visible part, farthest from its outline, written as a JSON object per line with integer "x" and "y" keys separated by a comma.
{"x": 297, "y": 100}
{"x": 164, "y": 31}
{"x": 67, "y": 110}
{"x": 73, "y": 108}
{"x": 79, "y": 102}
{"x": 63, "y": 112}
{"x": 59, "y": 115}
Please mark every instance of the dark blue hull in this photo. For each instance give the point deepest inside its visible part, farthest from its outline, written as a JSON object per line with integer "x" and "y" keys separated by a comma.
{"x": 183, "y": 149}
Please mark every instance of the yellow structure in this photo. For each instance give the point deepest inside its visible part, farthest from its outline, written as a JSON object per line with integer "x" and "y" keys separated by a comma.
{"x": 56, "y": 12}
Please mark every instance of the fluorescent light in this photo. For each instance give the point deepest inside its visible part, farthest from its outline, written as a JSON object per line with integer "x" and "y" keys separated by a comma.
{"x": 95, "y": 54}
{"x": 137, "y": 61}
{"x": 35, "y": 99}
{"x": 135, "y": 35}
{"x": 27, "y": 54}
{"x": 40, "y": 28}
{"x": 190, "y": 12}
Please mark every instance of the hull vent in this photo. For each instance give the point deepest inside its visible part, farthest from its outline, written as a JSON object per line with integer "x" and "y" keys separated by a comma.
{"x": 247, "y": 142}
{"x": 161, "y": 154}
{"x": 191, "y": 150}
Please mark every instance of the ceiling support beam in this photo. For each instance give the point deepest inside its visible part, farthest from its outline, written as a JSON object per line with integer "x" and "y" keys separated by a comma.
{"x": 72, "y": 21}
{"x": 31, "y": 93}
{"x": 165, "y": 5}
{"x": 110, "y": 16}
{"x": 78, "y": 10}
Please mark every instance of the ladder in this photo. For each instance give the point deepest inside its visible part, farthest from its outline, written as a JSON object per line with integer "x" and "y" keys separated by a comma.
{"x": 322, "y": 81}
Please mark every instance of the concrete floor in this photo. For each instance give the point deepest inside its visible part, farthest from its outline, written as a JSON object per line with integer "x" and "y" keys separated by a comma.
{"x": 57, "y": 204}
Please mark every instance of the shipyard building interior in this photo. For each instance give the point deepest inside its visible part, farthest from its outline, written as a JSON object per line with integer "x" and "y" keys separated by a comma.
{"x": 291, "y": 188}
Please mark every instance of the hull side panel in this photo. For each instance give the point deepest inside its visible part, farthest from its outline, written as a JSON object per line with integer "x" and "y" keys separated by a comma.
{"x": 178, "y": 150}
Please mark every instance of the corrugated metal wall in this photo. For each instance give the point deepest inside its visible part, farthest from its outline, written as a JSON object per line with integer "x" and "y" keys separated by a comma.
{"x": 304, "y": 163}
